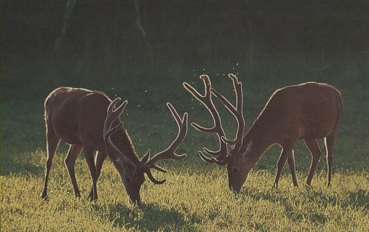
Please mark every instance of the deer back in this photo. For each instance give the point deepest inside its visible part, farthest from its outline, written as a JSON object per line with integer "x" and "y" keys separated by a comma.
{"x": 308, "y": 110}
{"x": 77, "y": 117}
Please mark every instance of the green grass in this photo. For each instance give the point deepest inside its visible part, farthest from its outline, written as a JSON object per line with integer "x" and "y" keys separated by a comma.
{"x": 190, "y": 200}
{"x": 195, "y": 196}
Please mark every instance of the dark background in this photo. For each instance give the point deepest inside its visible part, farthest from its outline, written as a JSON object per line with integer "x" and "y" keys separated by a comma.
{"x": 103, "y": 46}
{"x": 268, "y": 44}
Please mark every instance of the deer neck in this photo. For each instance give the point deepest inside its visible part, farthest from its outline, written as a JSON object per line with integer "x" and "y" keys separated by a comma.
{"x": 257, "y": 140}
{"x": 124, "y": 143}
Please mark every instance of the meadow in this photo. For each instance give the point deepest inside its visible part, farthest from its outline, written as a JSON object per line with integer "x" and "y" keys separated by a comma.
{"x": 195, "y": 196}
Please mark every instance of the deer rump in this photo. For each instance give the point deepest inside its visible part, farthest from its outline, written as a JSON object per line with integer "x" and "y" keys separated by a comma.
{"x": 77, "y": 116}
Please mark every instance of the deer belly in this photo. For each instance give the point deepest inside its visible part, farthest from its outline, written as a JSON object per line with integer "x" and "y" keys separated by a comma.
{"x": 70, "y": 137}
{"x": 314, "y": 132}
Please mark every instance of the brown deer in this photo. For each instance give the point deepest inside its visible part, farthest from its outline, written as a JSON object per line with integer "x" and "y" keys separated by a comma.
{"x": 307, "y": 111}
{"x": 88, "y": 120}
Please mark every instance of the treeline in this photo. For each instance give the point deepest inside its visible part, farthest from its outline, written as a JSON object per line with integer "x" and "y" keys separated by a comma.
{"x": 109, "y": 33}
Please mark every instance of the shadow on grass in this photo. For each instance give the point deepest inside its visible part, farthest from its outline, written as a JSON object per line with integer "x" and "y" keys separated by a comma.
{"x": 360, "y": 198}
{"x": 15, "y": 162}
{"x": 148, "y": 217}
{"x": 320, "y": 196}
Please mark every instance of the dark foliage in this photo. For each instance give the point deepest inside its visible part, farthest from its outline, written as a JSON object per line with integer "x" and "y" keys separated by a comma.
{"x": 104, "y": 41}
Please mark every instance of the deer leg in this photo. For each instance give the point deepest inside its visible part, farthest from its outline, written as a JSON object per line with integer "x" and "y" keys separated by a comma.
{"x": 314, "y": 149}
{"x": 291, "y": 163}
{"x": 52, "y": 142}
{"x": 286, "y": 152}
{"x": 91, "y": 164}
{"x": 329, "y": 143}
{"x": 99, "y": 160}
{"x": 70, "y": 160}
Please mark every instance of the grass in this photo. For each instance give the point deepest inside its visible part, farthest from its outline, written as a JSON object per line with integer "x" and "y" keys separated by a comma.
{"x": 191, "y": 200}
{"x": 195, "y": 196}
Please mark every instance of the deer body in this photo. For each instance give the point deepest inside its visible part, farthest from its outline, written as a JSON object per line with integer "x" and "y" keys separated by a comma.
{"x": 86, "y": 120}
{"x": 308, "y": 111}
{"x": 78, "y": 118}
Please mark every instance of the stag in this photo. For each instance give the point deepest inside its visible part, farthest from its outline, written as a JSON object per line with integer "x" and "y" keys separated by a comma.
{"x": 308, "y": 111}
{"x": 89, "y": 121}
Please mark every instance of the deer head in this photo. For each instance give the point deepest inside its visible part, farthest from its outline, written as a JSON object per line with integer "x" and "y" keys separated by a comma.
{"x": 223, "y": 156}
{"x": 132, "y": 174}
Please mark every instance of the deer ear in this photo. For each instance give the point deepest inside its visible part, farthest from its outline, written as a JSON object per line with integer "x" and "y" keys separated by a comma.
{"x": 249, "y": 147}
{"x": 126, "y": 165}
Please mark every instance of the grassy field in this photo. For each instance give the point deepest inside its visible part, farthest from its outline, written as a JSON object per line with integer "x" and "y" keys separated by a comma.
{"x": 195, "y": 196}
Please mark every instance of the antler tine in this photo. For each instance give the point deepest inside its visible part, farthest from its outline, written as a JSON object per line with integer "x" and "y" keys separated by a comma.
{"x": 217, "y": 128}
{"x": 205, "y": 99}
{"x": 113, "y": 113}
{"x": 112, "y": 116}
{"x": 152, "y": 178}
{"x": 212, "y": 159}
{"x": 182, "y": 127}
{"x": 237, "y": 111}
{"x": 170, "y": 152}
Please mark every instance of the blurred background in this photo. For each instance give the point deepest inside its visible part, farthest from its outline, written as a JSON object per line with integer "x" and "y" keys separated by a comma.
{"x": 131, "y": 45}
{"x": 143, "y": 50}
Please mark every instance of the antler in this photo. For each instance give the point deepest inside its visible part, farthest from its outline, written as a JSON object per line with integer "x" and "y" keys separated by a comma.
{"x": 112, "y": 116}
{"x": 236, "y": 111}
{"x": 170, "y": 152}
{"x": 217, "y": 128}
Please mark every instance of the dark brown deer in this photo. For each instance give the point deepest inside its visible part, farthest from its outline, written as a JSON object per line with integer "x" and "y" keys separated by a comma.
{"x": 307, "y": 111}
{"x": 88, "y": 120}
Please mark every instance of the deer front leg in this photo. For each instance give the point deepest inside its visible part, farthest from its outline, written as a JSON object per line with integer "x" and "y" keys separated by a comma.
{"x": 99, "y": 160}
{"x": 89, "y": 153}
{"x": 285, "y": 154}
{"x": 314, "y": 149}
{"x": 291, "y": 163}
{"x": 70, "y": 160}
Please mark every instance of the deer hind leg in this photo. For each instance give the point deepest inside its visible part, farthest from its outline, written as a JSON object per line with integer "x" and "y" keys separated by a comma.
{"x": 314, "y": 149}
{"x": 285, "y": 154}
{"x": 89, "y": 153}
{"x": 52, "y": 142}
{"x": 329, "y": 143}
{"x": 70, "y": 160}
{"x": 99, "y": 160}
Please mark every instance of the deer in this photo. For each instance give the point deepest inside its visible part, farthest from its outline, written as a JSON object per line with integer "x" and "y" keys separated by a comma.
{"x": 89, "y": 120}
{"x": 307, "y": 111}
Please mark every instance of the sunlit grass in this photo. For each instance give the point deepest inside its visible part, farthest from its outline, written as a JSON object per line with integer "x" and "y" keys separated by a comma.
{"x": 195, "y": 196}
{"x": 191, "y": 200}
